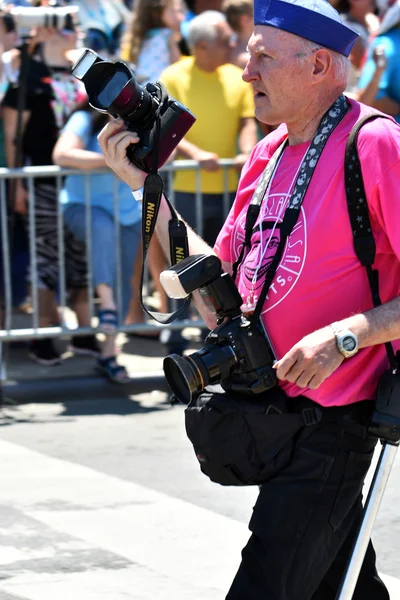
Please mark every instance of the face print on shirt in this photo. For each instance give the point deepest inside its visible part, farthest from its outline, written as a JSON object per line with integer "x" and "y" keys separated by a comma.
{"x": 264, "y": 243}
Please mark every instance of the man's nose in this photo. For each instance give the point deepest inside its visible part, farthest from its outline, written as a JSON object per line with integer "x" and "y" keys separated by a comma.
{"x": 250, "y": 73}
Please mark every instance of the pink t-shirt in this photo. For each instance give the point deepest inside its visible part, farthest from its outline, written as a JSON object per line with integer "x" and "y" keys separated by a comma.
{"x": 319, "y": 279}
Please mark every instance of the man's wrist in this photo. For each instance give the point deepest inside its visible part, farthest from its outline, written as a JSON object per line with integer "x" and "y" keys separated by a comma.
{"x": 346, "y": 340}
{"x": 138, "y": 194}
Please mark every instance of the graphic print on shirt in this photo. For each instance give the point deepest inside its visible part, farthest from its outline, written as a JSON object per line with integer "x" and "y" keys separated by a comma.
{"x": 264, "y": 243}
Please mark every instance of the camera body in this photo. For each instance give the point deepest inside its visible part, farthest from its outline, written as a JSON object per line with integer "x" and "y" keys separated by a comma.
{"x": 236, "y": 353}
{"x": 159, "y": 120}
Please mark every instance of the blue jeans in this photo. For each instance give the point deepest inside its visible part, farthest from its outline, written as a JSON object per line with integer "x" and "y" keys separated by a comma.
{"x": 104, "y": 254}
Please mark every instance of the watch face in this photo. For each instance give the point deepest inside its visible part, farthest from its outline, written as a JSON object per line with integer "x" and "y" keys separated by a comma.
{"x": 349, "y": 343}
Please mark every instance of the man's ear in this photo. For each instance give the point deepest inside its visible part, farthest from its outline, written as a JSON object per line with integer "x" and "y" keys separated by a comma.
{"x": 322, "y": 63}
{"x": 201, "y": 45}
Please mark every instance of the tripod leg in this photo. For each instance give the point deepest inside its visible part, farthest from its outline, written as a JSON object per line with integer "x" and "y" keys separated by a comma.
{"x": 372, "y": 504}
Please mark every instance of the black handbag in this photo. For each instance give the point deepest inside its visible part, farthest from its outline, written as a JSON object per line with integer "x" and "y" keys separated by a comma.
{"x": 245, "y": 440}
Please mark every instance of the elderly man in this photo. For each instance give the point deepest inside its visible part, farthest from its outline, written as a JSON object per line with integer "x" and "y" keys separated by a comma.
{"x": 225, "y": 126}
{"x": 319, "y": 314}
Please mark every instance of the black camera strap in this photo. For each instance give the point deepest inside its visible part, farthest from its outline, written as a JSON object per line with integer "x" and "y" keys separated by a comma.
{"x": 330, "y": 120}
{"x": 179, "y": 247}
{"x": 363, "y": 239}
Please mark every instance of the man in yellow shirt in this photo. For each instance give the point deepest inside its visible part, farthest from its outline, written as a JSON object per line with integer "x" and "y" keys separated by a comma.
{"x": 223, "y": 104}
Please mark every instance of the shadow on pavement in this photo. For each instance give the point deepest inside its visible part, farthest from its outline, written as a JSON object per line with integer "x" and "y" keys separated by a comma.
{"x": 110, "y": 406}
{"x": 10, "y": 413}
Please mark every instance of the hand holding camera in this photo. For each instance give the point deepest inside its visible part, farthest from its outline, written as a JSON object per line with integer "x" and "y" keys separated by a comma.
{"x": 114, "y": 140}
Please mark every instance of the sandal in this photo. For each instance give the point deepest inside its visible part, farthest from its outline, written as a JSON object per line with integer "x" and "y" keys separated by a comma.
{"x": 108, "y": 320}
{"x": 112, "y": 370}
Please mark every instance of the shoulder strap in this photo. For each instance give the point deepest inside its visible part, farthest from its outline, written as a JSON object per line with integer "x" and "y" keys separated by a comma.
{"x": 364, "y": 243}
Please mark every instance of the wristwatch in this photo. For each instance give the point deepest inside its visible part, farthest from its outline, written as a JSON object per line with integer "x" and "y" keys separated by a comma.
{"x": 346, "y": 341}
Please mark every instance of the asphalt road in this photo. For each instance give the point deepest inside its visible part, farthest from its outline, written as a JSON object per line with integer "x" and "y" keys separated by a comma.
{"x": 103, "y": 498}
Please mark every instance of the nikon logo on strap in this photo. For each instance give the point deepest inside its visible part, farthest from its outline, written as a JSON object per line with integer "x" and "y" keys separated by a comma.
{"x": 179, "y": 254}
{"x": 149, "y": 216}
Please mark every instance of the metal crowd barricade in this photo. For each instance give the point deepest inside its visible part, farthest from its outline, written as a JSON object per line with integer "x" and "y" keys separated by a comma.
{"x": 9, "y": 332}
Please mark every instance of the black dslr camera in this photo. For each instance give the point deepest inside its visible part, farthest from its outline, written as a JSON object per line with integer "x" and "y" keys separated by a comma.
{"x": 160, "y": 121}
{"x": 236, "y": 354}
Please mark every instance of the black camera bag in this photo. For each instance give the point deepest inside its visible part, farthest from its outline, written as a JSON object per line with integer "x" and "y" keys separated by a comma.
{"x": 246, "y": 440}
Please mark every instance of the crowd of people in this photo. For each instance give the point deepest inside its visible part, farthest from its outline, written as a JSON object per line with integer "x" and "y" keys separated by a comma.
{"x": 198, "y": 50}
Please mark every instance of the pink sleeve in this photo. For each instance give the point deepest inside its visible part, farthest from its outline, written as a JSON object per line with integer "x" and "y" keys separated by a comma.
{"x": 386, "y": 201}
{"x": 222, "y": 246}
{"x": 379, "y": 152}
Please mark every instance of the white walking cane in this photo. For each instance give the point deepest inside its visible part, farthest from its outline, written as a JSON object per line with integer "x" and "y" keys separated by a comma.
{"x": 385, "y": 426}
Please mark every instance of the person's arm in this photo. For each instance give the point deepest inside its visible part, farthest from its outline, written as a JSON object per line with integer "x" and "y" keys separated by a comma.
{"x": 368, "y": 94}
{"x": 10, "y": 120}
{"x": 114, "y": 140}
{"x": 196, "y": 246}
{"x": 3, "y": 34}
{"x": 316, "y": 356}
{"x": 374, "y": 88}
{"x": 386, "y": 105}
{"x": 207, "y": 160}
{"x": 247, "y": 140}
{"x": 69, "y": 151}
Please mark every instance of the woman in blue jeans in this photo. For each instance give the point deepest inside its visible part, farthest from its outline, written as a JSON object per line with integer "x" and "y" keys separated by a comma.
{"x": 78, "y": 148}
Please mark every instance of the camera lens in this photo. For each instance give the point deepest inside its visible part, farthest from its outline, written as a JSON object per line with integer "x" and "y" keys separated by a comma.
{"x": 111, "y": 87}
{"x": 187, "y": 376}
{"x": 183, "y": 377}
{"x": 133, "y": 103}
{"x": 111, "y": 90}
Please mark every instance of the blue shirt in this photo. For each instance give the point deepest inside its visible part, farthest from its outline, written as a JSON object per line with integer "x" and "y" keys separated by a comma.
{"x": 102, "y": 187}
{"x": 390, "y": 80}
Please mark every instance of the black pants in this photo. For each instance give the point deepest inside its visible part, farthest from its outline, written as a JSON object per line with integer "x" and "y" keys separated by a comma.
{"x": 305, "y": 520}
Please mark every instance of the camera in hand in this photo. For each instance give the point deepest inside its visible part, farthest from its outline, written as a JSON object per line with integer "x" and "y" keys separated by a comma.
{"x": 236, "y": 354}
{"x": 159, "y": 120}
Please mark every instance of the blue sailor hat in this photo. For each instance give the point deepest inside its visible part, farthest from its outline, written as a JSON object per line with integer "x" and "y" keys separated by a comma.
{"x": 314, "y": 20}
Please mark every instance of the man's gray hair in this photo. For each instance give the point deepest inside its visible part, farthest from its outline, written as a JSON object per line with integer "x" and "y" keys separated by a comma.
{"x": 341, "y": 64}
{"x": 202, "y": 27}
